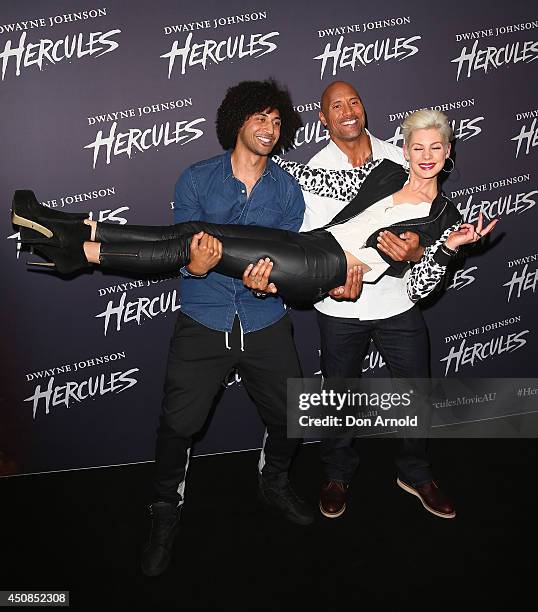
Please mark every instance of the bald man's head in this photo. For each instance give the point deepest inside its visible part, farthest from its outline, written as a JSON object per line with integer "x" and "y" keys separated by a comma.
{"x": 342, "y": 111}
{"x": 336, "y": 86}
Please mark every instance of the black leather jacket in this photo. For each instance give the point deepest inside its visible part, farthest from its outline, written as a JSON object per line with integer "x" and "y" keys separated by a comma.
{"x": 384, "y": 180}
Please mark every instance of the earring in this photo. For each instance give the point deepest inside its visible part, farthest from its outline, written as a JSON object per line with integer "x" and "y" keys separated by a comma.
{"x": 406, "y": 165}
{"x": 453, "y": 166}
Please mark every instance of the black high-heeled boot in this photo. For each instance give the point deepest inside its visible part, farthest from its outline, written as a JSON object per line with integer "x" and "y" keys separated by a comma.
{"x": 27, "y": 202}
{"x": 35, "y": 220}
{"x": 62, "y": 260}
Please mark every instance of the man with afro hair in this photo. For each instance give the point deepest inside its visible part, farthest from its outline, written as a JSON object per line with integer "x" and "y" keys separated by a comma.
{"x": 222, "y": 324}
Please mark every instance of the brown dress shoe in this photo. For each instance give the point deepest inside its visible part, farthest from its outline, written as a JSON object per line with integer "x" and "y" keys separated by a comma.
{"x": 432, "y": 498}
{"x": 332, "y": 499}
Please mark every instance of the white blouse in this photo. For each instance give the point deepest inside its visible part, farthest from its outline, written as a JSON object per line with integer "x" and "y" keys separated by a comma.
{"x": 352, "y": 235}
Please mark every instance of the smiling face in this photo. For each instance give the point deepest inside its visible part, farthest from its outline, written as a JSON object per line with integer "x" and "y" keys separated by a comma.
{"x": 426, "y": 152}
{"x": 260, "y": 132}
{"x": 342, "y": 112}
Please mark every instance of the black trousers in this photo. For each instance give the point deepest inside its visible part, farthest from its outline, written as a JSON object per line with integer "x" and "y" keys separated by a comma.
{"x": 306, "y": 266}
{"x": 402, "y": 341}
{"x": 198, "y": 361}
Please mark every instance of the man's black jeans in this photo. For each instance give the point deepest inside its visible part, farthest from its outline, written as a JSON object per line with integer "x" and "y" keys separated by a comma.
{"x": 198, "y": 360}
{"x": 402, "y": 341}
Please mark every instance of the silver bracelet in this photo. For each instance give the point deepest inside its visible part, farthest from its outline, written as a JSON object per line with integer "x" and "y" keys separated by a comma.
{"x": 448, "y": 251}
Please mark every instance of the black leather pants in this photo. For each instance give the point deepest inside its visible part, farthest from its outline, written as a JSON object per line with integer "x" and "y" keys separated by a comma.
{"x": 306, "y": 266}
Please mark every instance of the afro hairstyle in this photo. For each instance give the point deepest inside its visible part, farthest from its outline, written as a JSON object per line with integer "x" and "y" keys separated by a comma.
{"x": 250, "y": 97}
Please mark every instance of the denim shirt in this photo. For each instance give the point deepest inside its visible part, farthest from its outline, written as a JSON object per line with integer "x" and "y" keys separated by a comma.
{"x": 208, "y": 191}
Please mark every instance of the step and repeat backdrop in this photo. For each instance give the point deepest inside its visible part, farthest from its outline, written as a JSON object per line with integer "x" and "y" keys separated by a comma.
{"x": 105, "y": 104}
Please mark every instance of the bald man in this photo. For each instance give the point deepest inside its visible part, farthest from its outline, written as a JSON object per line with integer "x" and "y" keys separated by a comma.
{"x": 384, "y": 313}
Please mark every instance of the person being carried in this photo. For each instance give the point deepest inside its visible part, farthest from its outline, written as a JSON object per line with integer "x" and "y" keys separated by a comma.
{"x": 304, "y": 266}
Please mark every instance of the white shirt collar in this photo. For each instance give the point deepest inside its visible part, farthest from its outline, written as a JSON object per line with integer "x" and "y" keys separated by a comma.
{"x": 336, "y": 151}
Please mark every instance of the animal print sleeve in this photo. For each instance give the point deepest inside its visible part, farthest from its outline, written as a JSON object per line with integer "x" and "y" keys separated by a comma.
{"x": 426, "y": 274}
{"x": 338, "y": 184}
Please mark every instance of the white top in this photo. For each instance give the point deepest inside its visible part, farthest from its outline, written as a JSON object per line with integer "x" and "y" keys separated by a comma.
{"x": 352, "y": 234}
{"x": 386, "y": 297}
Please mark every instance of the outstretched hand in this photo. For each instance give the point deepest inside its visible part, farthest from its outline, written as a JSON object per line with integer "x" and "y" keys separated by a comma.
{"x": 205, "y": 253}
{"x": 353, "y": 287}
{"x": 468, "y": 233}
{"x": 256, "y": 276}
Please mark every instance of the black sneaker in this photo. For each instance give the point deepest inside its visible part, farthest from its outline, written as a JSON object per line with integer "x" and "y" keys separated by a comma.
{"x": 281, "y": 497}
{"x": 157, "y": 554}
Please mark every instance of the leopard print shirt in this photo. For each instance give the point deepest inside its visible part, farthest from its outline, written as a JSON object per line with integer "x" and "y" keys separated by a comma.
{"x": 343, "y": 185}
{"x": 427, "y": 272}
{"x": 340, "y": 185}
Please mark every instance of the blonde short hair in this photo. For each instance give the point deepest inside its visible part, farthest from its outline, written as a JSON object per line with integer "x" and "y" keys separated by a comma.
{"x": 425, "y": 119}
